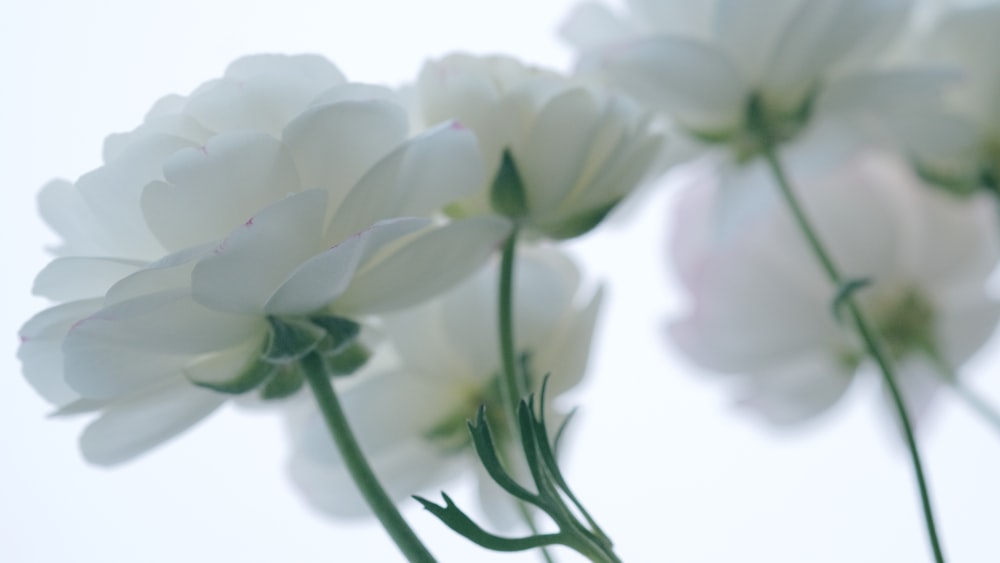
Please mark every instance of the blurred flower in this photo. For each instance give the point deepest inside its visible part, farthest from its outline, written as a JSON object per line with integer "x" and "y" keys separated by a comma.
{"x": 717, "y": 67}
{"x": 960, "y": 145}
{"x": 409, "y": 408}
{"x": 560, "y": 153}
{"x": 762, "y": 307}
{"x": 304, "y": 202}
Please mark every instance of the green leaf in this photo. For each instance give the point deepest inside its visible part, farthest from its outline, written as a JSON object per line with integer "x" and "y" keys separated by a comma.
{"x": 454, "y": 518}
{"x": 507, "y": 195}
{"x": 291, "y": 340}
{"x": 482, "y": 439}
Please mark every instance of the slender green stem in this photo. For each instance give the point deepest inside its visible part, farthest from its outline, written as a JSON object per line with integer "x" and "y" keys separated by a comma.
{"x": 513, "y": 383}
{"x": 861, "y": 323}
{"x": 380, "y": 503}
{"x": 513, "y": 387}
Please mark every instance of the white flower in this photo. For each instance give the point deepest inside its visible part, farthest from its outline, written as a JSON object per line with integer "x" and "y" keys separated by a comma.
{"x": 717, "y": 66}
{"x": 762, "y": 307}
{"x": 575, "y": 149}
{"x": 304, "y": 202}
{"x": 960, "y": 145}
{"x": 411, "y": 412}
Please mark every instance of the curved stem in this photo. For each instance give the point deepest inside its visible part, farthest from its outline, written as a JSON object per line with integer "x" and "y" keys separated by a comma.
{"x": 861, "y": 323}
{"x": 380, "y": 503}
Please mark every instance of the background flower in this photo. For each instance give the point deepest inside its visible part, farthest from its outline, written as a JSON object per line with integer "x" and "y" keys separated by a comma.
{"x": 576, "y": 150}
{"x": 410, "y": 410}
{"x": 762, "y": 307}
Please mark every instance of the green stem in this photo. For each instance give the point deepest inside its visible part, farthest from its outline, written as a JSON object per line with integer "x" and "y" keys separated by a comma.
{"x": 513, "y": 383}
{"x": 861, "y": 323}
{"x": 380, "y": 503}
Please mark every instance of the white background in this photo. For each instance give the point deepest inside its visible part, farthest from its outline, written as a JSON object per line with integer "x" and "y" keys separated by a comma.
{"x": 667, "y": 466}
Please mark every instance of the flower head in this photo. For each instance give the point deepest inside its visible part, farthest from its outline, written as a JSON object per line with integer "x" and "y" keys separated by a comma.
{"x": 294, "y": 205}
{"x": 959, "y": 145}
{"x": 719, "y": 67}
{"x": 410, "y": 409}
{"x": 762, "y": 307}
{"x": 560, "y": 153}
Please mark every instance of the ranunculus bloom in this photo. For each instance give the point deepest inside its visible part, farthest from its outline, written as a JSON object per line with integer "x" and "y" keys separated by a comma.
{"x": 410, "y": 408}
{"x": 576, "y": 149}
{"x": 272, "y": 196}
{"x": 960, "y": 145}
{"x": 762, "y": 307}
{"x": 704, "y": 63}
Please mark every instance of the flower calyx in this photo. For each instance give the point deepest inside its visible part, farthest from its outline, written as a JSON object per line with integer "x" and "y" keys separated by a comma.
{"x": 275, "y": 369}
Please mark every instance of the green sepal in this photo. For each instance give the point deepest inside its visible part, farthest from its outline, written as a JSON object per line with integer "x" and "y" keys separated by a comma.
{"x": 482, "y": 439}
{"x": 578, "y": 224}
{"x": 255, "y": 373}
{"x": 346, "y": 360}
{"x": 845, "y": 292}
{"x": 291, "y": 339}
{"x": 507, "y": 195}
{"x": 340, "y": 333}
{"x": 458, "y": 521}
{"x": 286, "y": 381}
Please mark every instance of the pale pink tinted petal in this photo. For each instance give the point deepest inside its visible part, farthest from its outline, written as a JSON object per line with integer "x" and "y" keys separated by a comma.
{"x": 321, "y": 279}
{"x": 213, "y": 189}
{"x": 335, "y": 144}
{"x": 424, "y": 267}
{"x": 40, "y": 351}
{"x": 694, "y": 82}
{"x": 71, "y": 278}
{"x": 419, "y": 177}
{"x": 797, "y": 389}
{"x": 253, "y": 262}
{"x": 130, "y": 427}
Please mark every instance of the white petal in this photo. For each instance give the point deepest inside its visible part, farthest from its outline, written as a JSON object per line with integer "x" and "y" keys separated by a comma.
{"x": 172, "y": 272}
{"x": 424, "y": 267}
{"x": 62, "y": 206}
{"x": 694, "y": 82}
{"x": 592, "y": 26}
{"x": 419, "y": 177}
{"x": 253, "y": 262}
{"x": 113, "y": 193}
{"x": 262, "y": 92}
{"x": 554, "y": 154}
{"x": 215, "y": 188}
{"x": 821, "y": 34}
{"x": 565, "y": 353}
{"x": 72, "y": 278}
{"x": 796, "y": 390}
{"x": 749, "y": 29}
{"x": 887, "y": 90}
{"x": 335, "y": 144}
{"x": 324, "y": 277}
{"x": 168, "y": 322}
{"x": 40, "y": 351}
{"x": 132, "y": 426}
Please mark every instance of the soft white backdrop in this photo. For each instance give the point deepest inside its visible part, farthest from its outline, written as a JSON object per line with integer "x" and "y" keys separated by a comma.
{"x": 668, "y": 467}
